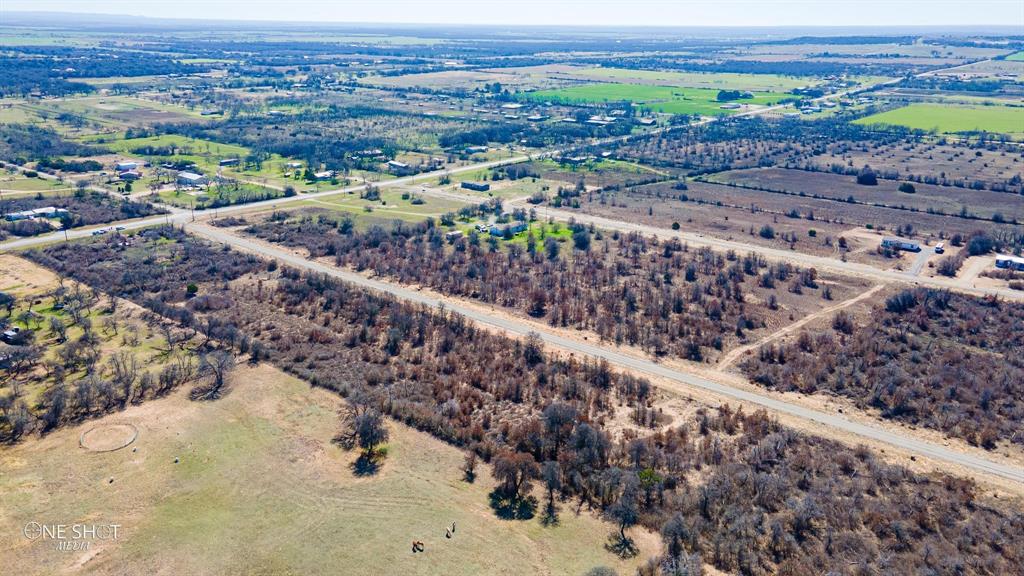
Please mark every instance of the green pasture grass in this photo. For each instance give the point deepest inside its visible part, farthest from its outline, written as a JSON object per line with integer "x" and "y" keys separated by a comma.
{"x": 953, "y": 119}
{"x": 668, "y": 99}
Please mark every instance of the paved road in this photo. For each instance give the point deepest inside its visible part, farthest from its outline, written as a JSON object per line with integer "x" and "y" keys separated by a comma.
{"x": 681, "y": 381}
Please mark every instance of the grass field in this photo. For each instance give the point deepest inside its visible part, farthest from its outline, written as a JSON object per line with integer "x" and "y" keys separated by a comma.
{"x": 672, "y": 100}
{"x": 19, "y": 183}
{"x": 111, "y": 112}
{"x": 392, "y": 206}
{"x": 953, "y": 119}
{"x": 260, "y": 489}
{"x": 207, "y": 154}
{"x": 1016, "y": 57}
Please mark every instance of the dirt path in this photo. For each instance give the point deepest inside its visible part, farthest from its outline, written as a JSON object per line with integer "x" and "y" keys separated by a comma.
{"x": 734, "y": 354}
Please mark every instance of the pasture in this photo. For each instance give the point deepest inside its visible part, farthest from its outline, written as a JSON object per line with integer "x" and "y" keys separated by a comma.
{"x": 205, "y": 154}
{"x": 953, "y": 119}
{"x": 114, "y": 111}
{"x": 667, "y": 99}
{"x": 259, "y": 488}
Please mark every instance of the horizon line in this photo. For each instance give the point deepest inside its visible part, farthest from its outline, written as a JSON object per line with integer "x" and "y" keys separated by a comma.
{"x": 258, "y": 20}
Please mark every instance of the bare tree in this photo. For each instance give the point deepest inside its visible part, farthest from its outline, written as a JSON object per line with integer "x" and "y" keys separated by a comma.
{"x": 215, "y": 366}
{"x": 124, "y": 368}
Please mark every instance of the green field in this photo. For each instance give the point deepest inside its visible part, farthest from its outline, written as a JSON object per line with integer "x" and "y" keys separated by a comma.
{"x": 19, "y": 183}
{"x": 207, "y": 154}
{"x": 1016, "y": 57}
{"x": 667, "y": 99}
{"x": 953, "y": 119}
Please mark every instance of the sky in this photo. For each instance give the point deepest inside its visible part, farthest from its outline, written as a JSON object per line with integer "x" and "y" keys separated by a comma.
{"x": 564, "y": 12}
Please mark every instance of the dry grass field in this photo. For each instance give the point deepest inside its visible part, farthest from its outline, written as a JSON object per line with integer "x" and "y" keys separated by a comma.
{"x": 944, "y": 162}
{"x": 260, "y": 489}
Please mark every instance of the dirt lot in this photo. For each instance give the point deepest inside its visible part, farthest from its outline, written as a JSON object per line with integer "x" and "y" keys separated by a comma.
{"x": 260, "y": 489}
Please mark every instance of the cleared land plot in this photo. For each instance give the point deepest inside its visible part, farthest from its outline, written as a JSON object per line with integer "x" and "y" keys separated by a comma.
{"x": 1005, "y": 69}
{"x": 659, "y": 205}
{"x": 453, "y": 79}
{"x": 953, "y": 119}
{"x": 926, "y": 197}
{"x": 598, "y": 172}
{"x": 830, "y": 216}
{"x": 715, "y": 81}
{"x": 666, "y": 99}
{"x": 311, "y": 514}
{"x": 947, "y": 164}
{"x": 407, "y": 204}
{"x": 116, "y": 111}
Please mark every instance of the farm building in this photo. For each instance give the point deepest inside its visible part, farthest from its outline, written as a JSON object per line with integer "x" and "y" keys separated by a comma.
{"x": 126, "y": 166}
{"x": 477, "y": 186}
{"x": 731, "y": 106}
{"x": 1010, "y": 262}
{"x": 498, "y": 230}
{"x": 396, "y": 166}
{"x": 901, "y": 244}
{"x": 13, "y": 335}
{"x": 453, "y": 235}
{"x": 325, "y": 175}
{"x": 130, "y": 175}
{"x": 512, "y": 106}
{"x": 45, "y": 212}
{"x": 476, "y": 149}
{"x": 229, "y": 162}
{"x": 191, "y": 179}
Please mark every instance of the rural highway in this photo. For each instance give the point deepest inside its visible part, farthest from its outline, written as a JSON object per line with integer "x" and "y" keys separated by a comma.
{"x": 681, "y": 380}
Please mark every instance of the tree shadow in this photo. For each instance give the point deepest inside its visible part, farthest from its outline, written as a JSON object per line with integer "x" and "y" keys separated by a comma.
{"x": 368, "y": 463}
{"x": 512, "y": 508}
{"x": 623, "y": 547}
{"x": 550, "y": 516}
